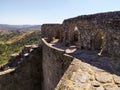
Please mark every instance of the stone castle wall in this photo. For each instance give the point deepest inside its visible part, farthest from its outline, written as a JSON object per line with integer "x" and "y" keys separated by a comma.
{"x": 95, "y": 32}
{"x": 23, "y": 71}
{"x": 89, "y": 71}
{"x": 51, "y": 31}
{"x": 99, "y": 32}
{"x": 84, "y": 69}
{"x": 50, "y": 68}
{"x": 55, "y": 63}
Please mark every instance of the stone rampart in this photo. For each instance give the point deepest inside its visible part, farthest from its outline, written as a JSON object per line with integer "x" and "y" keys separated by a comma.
{"x": 96, "y": 32}
{"x": 51, "y": 31}
{"x": 23, "y": 71}
{"x": 55, "y": 63}
{"x": 99, "y": 32}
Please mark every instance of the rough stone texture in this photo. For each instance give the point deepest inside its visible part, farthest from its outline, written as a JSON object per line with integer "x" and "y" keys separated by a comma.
{"x": 96, "y": 88}
{"x": 55, "y": 64}
{"x": 116, "y": 79}
{"x": 103, "y": 77}
{"x": 95, "y": 32}
{"x": 109, "y": 87}
{"x": 86, "y": 71}
{"x": 64, "y": 67}
{"x": 24, "y": 72}
{"x": 77, "y": 77}
{"x": 91, "y": 32}
{"x": 80, "y": 79}
{"x": 95, "y": 84}
{"x": 92, "y": 35}
{"x": 51, "y": 31}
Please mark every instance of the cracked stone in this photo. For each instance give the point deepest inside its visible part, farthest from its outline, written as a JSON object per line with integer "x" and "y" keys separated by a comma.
{"x": 100, "y": 88}
{"x": 96, "y": 88}
{"x": 116, "y": 79}
{"x": 80, "y": 79}
{"x": 103, "y": 77}
{"x": 110, "y": 87}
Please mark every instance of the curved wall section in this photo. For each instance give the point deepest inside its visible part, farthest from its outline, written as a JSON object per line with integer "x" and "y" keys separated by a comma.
{"x": 55, "y": 64}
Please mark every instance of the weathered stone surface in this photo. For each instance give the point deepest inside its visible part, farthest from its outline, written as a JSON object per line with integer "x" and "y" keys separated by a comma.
{"x": 100, "y": 88}
{"x": 95, "y": 84}
{"x": 110, "y": 87}
{"x": 80, "y": 79}
{"x": 55, "y": 63}
{"x": 96, "y": 88}
{"x": 116, "y": 79}
{"x": 51, "y": 31}
{"x": 86, "y": 73}
{"x": 93, "y": 32}
{"x": 103, "y": 77}
{"x": 23, "y": 72}
{"x": 90, "y": 71}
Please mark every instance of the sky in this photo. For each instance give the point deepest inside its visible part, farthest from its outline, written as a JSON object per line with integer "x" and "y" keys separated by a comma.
{"x": 51, "y": 11}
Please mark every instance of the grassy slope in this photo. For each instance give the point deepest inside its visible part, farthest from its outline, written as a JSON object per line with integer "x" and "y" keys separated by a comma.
{"x": 14, "y": 42}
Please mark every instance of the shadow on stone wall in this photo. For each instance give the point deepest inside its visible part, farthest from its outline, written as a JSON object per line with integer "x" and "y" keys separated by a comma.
{"x": 27, "y": 73}
{"x": 55, "y": 64}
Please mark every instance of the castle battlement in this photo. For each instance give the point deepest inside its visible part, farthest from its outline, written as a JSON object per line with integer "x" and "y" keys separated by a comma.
{"x": 82, "y": 53}
{"x": 99, "y": 32}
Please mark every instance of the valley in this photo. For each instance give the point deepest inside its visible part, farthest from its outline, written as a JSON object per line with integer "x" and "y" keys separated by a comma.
{"x": 13, "y": 41}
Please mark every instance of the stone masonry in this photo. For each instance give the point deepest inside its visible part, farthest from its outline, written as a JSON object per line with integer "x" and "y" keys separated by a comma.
{"x": 91, "y": 46}
{"x": 23, "y": 71}
{"x": 99, "y": 32}
{"x": 83, "y": 53}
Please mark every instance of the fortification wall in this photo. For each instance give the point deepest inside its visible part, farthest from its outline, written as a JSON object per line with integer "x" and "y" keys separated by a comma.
{"x": 55, "y": 69}
{"x": 88, "y": 71}
{"x": 51, "y": 31}
{"x": 55, "y": 63}
{"x": 23, "y": 71}
{"x": 95, "y": 32}
{"x": 99, "y": 32}
{"x": 82, "y": 75}
{"x": 83, "y": 69}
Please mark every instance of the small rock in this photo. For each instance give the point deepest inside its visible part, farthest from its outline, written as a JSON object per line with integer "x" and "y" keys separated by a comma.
{"x": 116, "y": 79}
{"x": 118, "y": 85}
{"x": 100, "y": 88}
{"x": 110, "y": 87}
{"x": 96, "y": 88}
{"x": 14, "y": 55}
{"x": 31, "y": 50}
{"x": 26, "y": 54}
{"x": 80, "y": 79}
{"x": 34, "y": 46}
{"x": 103, "y": 77}
{"x": 95, "y": 84}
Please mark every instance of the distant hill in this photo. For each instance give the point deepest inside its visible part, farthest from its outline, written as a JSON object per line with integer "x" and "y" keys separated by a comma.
{"x": 4, "y": 28}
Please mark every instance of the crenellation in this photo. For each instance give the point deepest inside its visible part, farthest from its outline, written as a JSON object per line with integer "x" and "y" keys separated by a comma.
{"x": 92, "y": 43}
{"x": 82, "y": 53}
{"x": 50, "y": 31}
{"x": 99, "y": 32}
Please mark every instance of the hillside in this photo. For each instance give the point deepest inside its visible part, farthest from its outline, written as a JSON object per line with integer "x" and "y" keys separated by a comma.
{"x": 14, "y": 41}
{"x": 6, "y": 29}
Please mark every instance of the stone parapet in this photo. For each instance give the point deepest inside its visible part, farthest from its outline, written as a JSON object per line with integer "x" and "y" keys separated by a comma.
{"x": 99, "y": 32}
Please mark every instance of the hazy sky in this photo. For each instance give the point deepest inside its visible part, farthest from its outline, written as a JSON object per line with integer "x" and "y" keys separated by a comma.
{"x": 51, "y": 11}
